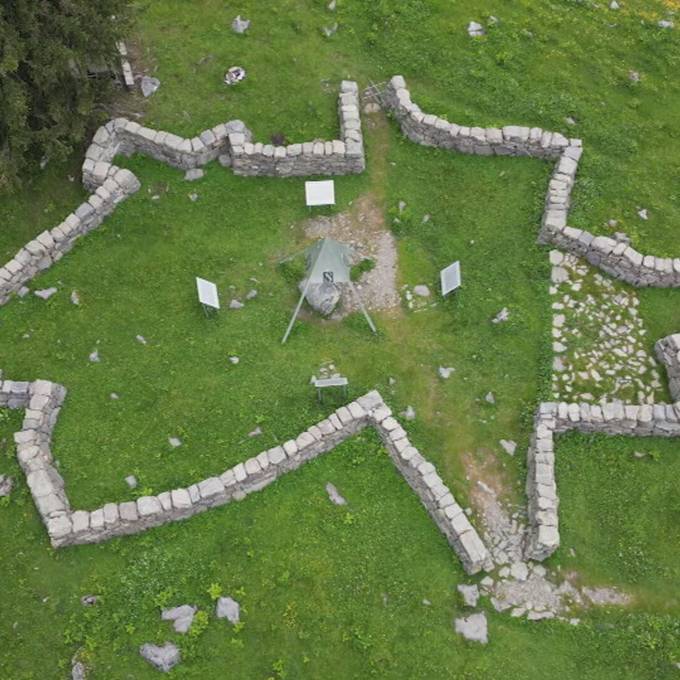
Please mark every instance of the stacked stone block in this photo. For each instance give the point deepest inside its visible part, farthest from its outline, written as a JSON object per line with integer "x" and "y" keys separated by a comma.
{"x": 541, "y": 488}
{"x": 429, "y": 130}
{"x": 611, "y": 418}
{"x": 616, "y": 258}
{"x": 50, "y": 246}
{"x": 42, "y": 401}
{"x": 668, "y": 353}
{"x": 336, "y": 157}
{"x": 230, "y": 142}
{"x": 438, "y": 500}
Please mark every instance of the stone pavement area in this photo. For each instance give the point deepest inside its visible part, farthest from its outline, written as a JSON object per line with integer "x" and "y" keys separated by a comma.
{"x": 599, "y": 338}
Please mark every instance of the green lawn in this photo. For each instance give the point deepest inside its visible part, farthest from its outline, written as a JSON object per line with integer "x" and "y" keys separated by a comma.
{"x": 337, "y": 592}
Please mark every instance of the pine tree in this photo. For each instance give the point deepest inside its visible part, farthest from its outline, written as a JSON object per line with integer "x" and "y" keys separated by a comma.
{"x": 47, "y": 101}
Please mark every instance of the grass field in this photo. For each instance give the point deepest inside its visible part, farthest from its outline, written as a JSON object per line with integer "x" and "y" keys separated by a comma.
{"x": 338, "y": 592}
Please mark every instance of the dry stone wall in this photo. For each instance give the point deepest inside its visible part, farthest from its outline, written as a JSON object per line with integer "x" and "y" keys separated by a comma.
{"x": 42, "y": 401}
{"x": 612, "y": 418}
{"x": 668, "y": 353}
{"x": 229, "y": 142}
{"x": 336, "y": 157}
{"x": 616, "y": 258}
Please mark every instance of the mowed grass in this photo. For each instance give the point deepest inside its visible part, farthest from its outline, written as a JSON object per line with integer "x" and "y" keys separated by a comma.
{"x": 337, "y": 592}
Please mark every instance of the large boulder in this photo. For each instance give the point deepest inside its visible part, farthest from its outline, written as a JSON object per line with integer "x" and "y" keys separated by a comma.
{"x": 322, "y": 297}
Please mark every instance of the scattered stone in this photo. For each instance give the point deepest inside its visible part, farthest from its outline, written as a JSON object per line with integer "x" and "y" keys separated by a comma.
{"x": 114, "y": 396}
{"x": 502, "y": 316}
{"x": 164, "y": 658}
{"x": 45, "y": 293}
{"x": 490, "y": 398}
{"x": 409, "y": 413}
{"x": 328, "y": 31}
{"x": 665, "y": 23}
{"x": 570, "y": 121}
{"x": 538, "y": 616}
{"x": 131, "y": 481}
{"x": 470, "y": 594}
{"x": 251, "y": 294}
{"x": 183, "y": 617}
{"x": 240, "y": 25}
{"x": 78, "y": 670}
{"x": 445, "y": 372}
{"x": 473, "y": 628}
{"x": 149, "y": 85}
{"x": 75, "y": 298}
{"x": 606, "y": 596}
{"x": 234, "y": 75}
{"x": 334, "y": 495}
{"x": 475, "y": 30}
{"x": 174, "y": 442}
{"x": 332, "y": 5}
{"x": 23, "y": 292}
{"x": 634, "y": 76}
{"x": 519, "y": 571}
{"x": 193, "y": 197}
{"x": 614, "y": 5}
{"x": 256, "y": 432}
{"x": 94, "y": 357}
{"x": 640, "y": 454}
{"x": 140, "y": 339}
{"x": 643, "y": 213}
{"x": 235, "y": 304}
{"x": 421, "y": 290}
{"x": 89, "y": 600}
{"x": 234, "y": 360}
{"x": 508, "y": 446}
{"x": 6, "y": 485}
{"x": 401, "y": 206}
{"x": 193, "y": 174}
{"x": 229, "y": 609}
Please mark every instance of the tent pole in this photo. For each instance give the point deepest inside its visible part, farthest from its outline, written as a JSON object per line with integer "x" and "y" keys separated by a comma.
{"x": 363, "y": 309}
{"x": 296, "y": 312}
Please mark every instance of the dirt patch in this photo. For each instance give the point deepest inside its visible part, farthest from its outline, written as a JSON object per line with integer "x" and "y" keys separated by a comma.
{"x": 363, "y": 227}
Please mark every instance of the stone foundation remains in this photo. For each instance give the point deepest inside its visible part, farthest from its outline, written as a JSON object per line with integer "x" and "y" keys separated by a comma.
{"x": 229, "y": 142}
{"x": 42, "y": 401}
{"x": 616, "y": 258}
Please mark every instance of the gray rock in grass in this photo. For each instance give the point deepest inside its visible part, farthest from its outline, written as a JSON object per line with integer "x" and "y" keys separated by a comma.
{"x": 334, "y": 495}
{"x": 45, "y": 293}
{"x": 228, "y": 608}
{"x": 470, "y": 594}
{"x": 182, "y": 617}
{"x": 240, "y": 25}
{"x": 473, "y": 628}
{"x": 164, "y": 658}
{"x": 149, "y": 85}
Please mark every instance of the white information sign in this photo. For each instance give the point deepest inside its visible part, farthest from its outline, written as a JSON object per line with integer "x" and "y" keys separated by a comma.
{"x": 450, "y": 278}
{"x": 207, "y": 293}
{"x": 320, "y": 193}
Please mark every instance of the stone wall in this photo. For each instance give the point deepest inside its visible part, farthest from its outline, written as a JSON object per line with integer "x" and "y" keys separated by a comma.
{"x": 614, "y": 418}
{"x": 616, "y": 258}
{"x": 230, "y": 142}
{"x": 668, "y": 353}
{"x": 336, "y": 157}
{"x": 42, "y": 401}
{"x": 51, "y": 245}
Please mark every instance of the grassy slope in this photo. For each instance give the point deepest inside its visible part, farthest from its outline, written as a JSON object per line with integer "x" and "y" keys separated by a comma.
{"x": 134, "y": 276}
